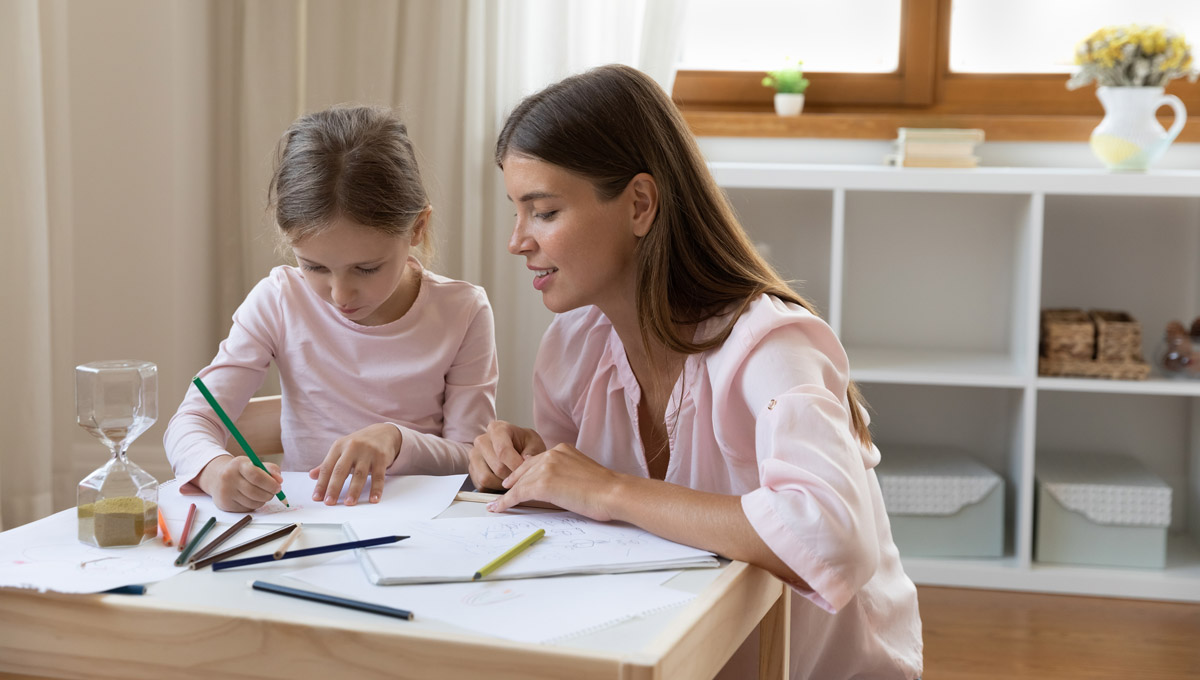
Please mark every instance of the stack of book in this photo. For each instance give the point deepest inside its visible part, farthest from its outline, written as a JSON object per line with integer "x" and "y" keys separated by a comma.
{"x": 936, "y": 148}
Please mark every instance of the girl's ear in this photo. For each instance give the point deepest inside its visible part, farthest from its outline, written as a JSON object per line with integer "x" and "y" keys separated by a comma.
{"x": 420, "y": 226}
{"x": 644, "y": 191}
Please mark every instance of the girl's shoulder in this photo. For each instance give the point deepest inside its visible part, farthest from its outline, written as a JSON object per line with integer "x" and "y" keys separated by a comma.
{"x": 446, "y": 290}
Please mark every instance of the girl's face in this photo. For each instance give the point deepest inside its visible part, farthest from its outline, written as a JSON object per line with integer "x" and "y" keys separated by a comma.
{"x": 580, "y": 249}
{"x": 361, "y": 271}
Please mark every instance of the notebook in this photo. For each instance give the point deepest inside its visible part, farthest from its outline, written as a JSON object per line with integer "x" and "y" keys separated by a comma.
{"x": 452, "y": 550}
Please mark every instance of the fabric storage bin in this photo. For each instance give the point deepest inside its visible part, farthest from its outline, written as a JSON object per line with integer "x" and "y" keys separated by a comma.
{"x": 1100, "y": 509}
{"x": 941, "y": 502}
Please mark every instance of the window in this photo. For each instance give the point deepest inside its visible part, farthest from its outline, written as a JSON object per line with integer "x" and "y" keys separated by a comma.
{"x": 1001, "y": 66}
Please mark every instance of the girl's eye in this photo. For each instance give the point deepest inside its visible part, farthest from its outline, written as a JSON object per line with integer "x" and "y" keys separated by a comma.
{"x": 311, "y": 268}
{"x": 372, "y": 270}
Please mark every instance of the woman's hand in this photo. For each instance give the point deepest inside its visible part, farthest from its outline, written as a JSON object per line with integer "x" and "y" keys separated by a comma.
{"x": 362, "y": 454}
{"x": 566, "y": 477}
{"x": 238, "y": 485}
{"x": 502, "y": 448}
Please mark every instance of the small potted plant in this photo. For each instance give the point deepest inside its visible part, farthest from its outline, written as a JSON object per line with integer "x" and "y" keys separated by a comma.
{"x": 789, "y": 83}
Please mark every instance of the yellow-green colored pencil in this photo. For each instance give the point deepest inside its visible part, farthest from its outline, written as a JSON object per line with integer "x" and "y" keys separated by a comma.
{"x": 212, "y": 401}
{"x": 509, "y": 554}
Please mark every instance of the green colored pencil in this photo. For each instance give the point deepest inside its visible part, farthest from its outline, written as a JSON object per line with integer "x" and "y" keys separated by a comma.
{"x": 509, "y": 554}
{"x": 182, "y": 559}
{"x": 212, "y": 401}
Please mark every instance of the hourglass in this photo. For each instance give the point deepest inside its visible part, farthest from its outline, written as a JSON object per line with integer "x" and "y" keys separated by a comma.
{"x": 115, "y": 401}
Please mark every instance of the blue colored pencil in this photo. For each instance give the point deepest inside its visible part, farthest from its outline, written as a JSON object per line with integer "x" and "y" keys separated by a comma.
{"x": 335, "y": 547}
{"x": 336, "y": 601}
{"x": 126, "y": 590}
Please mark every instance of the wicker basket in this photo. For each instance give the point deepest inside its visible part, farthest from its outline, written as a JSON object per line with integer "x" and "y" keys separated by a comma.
{"x": 1114, "y": 370}
{"x": 1067, "y": 334}
{"x": 1118, "y": 336}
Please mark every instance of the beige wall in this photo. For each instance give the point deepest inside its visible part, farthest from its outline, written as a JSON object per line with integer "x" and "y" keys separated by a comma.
{"x": 141, "y": 165}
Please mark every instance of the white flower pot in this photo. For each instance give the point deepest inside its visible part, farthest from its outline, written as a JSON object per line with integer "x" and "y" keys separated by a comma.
{"x": 1129, "y": 137}
{"x": 788, "y": 104}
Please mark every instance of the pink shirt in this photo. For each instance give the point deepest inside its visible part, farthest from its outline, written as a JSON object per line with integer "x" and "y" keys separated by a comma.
{"x": 763, "y": 416}
{"x": 432, "y": 373}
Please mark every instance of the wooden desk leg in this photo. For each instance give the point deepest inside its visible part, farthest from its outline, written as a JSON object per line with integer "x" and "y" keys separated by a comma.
{"x": 774, "y": 638}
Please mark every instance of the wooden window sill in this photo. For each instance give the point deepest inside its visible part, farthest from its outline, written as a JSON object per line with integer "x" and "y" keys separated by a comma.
{"x": 883, "y": 125}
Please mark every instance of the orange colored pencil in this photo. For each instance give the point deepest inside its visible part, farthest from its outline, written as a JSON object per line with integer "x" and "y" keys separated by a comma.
{"x": 162, "y": 528}
{"x": 187, "y": 526}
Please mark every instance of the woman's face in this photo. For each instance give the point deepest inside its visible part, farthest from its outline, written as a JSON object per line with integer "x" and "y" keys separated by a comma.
{"x": 579, "y": 249}
{"x": 360, "y": 271}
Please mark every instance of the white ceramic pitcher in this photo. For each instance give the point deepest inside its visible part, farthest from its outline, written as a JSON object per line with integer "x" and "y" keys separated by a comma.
{"x": 1129, "y": 137}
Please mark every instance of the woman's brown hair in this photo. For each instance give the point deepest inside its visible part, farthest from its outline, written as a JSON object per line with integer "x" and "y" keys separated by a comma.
{"x": 355, "y": 162}
{"x": 614, "y": 122}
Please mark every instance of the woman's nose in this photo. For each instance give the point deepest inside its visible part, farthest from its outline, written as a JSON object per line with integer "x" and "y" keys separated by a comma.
{"x": 520, "y": 242}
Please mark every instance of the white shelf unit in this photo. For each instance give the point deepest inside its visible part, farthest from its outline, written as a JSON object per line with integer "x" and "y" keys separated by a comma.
{"x": 934, "y": 280}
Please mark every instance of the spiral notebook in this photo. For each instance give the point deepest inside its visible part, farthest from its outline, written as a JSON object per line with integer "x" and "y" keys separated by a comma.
{"x": 452, "y": 550}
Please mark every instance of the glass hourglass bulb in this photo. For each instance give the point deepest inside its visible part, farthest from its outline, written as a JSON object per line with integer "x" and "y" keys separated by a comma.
{"x": 115, "y": 401}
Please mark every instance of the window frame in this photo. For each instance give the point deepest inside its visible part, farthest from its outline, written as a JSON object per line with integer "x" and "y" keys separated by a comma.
{"x": 922, "y": 92}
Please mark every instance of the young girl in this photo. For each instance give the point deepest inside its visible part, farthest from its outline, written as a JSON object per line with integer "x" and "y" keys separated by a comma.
{"x": 683, "y": 386}
{"x": 384, "y": 367}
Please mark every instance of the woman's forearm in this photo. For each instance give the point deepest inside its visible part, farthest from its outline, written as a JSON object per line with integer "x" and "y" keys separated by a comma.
{"x": 709, "y": 521}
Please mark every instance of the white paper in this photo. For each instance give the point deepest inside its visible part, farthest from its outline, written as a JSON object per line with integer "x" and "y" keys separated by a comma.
{"x": 529, "y": 610}
{"x": 47, "y": 555}
{"x": 448, "y": 550}
{"x": 404, "y": 497}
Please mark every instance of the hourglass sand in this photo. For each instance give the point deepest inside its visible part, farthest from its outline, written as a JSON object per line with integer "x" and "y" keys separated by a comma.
{"x": 115, "y": 401}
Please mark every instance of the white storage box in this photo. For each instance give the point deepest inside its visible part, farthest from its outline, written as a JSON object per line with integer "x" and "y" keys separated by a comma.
{"x": 1100, "y": 509}
{"x": 942, "y": 503}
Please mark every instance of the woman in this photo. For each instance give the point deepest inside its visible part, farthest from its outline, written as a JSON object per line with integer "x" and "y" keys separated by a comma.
{"x": 683, "y": 386}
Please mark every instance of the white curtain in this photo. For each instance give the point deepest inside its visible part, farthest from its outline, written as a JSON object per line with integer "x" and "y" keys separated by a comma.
{"x": 136, "y": 141}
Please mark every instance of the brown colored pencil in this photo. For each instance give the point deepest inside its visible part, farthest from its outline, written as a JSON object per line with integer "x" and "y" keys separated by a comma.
{"x": 212, "y": 545}
{"x": 242, "y": 547}
{"x": 287, "y": 544}
{"x": 187, "y": 527}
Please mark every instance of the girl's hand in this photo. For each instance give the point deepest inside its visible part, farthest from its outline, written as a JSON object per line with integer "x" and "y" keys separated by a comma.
{"x": 367, "y": 452}
{"x": 564, "y": 476}
{"x": 237, "y": 485}
{"x": 502, "y": 448}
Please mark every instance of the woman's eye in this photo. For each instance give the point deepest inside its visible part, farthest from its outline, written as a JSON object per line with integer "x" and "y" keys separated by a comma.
{"x": 546, "y": 216}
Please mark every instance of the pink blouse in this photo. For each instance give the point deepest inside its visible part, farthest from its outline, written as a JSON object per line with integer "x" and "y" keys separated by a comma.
{"x": 432, "y": 373}
{"x": 763, "y": 416}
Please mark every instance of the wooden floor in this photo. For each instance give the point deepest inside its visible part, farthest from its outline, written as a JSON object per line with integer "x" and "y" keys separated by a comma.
{"x": 986, "y": 634}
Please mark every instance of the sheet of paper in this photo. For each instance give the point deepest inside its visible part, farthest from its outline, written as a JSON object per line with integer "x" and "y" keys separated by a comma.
{"x": 448, "y": 550}
{"x": 541, "y": 610}
{"x": 47, "y": 555}
{"x": 404, "y": 497}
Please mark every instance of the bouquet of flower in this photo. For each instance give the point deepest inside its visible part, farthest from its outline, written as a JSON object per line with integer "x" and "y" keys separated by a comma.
{"x": 1132, "y": 56}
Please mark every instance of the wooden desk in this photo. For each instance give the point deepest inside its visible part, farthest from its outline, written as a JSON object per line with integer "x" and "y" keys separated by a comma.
{"x": 205, "y": 625}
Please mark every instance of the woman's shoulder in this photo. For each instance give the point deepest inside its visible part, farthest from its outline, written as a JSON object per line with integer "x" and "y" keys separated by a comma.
{"x": 770, "y": 322}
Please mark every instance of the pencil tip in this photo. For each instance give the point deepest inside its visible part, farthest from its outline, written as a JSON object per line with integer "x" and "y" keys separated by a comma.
{"x": 477, "y": 576}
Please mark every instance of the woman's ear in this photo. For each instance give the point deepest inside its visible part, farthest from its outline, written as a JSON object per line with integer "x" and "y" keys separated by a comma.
{"x": 644, "y": 191}
{"x": 420, "y": 226}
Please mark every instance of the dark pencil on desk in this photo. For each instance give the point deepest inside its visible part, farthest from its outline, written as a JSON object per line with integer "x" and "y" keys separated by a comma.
{"x": 125, "y": 590}
{"x": 242, "y": 547}
{"x": 336, "y": 601}
{"x": 183, "y": 556}
{"x": 335, "y": 547}
{"x": 212, "y": 401}
{"x": 187, "y": 527}
{"x": 225, "y": 536}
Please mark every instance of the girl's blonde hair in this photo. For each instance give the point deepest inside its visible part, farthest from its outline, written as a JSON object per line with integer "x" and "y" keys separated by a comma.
{"x": 614, "y": 122}
{"x": 355, "y": 162}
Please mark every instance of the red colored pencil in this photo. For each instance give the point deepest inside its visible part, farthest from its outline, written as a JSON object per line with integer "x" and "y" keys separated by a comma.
{"x": 187, "y": 526}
